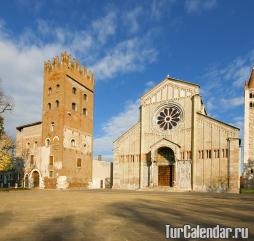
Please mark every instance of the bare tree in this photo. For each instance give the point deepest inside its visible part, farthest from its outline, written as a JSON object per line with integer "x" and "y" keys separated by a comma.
{"x": 6, "y": 103}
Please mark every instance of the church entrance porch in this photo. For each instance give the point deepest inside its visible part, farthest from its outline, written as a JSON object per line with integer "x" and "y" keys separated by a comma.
{"x": 166, "y": 167}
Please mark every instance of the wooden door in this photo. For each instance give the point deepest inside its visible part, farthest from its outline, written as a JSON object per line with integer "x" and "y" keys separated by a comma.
{"x": 36, "y": 179}
{"x": 163, "y": 175}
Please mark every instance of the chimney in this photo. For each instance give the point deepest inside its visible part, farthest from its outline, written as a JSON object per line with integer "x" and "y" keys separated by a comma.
{"x": 99, "y": 158}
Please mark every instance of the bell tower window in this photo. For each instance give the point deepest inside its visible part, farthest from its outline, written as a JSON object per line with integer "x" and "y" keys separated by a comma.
{"x": 74, "y": 106}
{"x": 73, "y": 144}
{"x": 47, "y": 142}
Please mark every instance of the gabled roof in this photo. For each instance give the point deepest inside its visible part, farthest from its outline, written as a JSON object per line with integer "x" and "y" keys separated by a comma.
{"x": 220, "y": 122}
{"x": 131, "y": 128}
{"x": 168, "y": 78}
{"x": 165, "y": 139}
{"x": 19, "y": 128}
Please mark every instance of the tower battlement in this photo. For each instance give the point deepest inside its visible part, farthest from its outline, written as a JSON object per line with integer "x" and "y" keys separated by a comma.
{"x": 66, "y": 62}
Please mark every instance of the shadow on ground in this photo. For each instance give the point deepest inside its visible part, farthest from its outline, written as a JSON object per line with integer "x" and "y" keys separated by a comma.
{"x": 136, "y": 218}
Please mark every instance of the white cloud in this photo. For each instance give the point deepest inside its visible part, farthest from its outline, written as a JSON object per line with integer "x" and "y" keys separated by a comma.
{"x": 127, "y": 56}
{"x": 197, "y": 6}
{"x": 131, "y": 19}
{"x": 21, "y": 71}
{"x": 150, "y": 83}
{"x": 22, "y": 58}
{"x": 232, "y": 102}
{"x": 160, "y": 7}
{"x": 226, "y": 82}
{"x": 116, "y": 126}
{"x": 105, "y": 26}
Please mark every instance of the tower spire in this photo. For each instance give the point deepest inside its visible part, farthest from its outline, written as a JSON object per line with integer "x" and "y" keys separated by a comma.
{"x": 251, "y": 80}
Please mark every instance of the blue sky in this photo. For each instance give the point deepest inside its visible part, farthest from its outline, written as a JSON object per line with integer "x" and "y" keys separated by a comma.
{"x": 130, "y": 46}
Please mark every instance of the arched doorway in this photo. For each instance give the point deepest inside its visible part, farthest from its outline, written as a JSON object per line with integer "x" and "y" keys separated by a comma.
{"x": 166, "y": 166}
{"x": 36, "y": 179}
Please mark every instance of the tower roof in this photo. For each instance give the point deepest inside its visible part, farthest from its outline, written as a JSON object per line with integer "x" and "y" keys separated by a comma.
{"x": 251, "y": 80}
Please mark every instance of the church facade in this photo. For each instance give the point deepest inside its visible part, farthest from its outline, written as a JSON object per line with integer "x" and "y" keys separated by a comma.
{"x": 57, "y": 151}
{"x": 176, "y": 145}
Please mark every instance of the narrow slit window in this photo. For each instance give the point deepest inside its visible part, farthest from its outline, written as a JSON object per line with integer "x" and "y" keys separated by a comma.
{"x": 32, "y": 159}
{"x": 79, "y": 162}
{"x": 74, "y": 106}
{"x": 51, "y": 160}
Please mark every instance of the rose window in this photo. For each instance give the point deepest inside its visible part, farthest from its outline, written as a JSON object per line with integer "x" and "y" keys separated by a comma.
{"x": 168, "y": 117}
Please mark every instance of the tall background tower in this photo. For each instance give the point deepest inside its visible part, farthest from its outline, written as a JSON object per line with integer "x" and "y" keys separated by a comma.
{"x": 249, "y": 119}
{"x": 67, "y": 123}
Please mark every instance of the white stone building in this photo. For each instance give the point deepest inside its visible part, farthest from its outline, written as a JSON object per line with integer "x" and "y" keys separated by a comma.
{"x": 176, "y": 145}
{"x": 102, "y": 173}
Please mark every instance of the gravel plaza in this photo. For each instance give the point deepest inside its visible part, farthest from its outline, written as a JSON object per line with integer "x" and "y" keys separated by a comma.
{"x": 51, "y": 215}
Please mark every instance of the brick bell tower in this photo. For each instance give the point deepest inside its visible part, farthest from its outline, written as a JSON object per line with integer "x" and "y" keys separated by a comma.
{"x": 249, "y": 119}
{"x": 67, "y": 123}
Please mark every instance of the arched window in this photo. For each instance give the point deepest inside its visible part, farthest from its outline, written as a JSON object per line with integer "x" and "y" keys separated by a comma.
{"x": 28, "y": 144}
{"x": 251, "y": 95}
{"x": 84, "y": 111}
{"x": 49, "y": 91}
{"x": 52, "y": 125}
{"x": 57, "y": 86}
{"x": 74, "y": 90}
{"x": 47, "y": 142}
{"x": 57, "y": 103}
{"x": 251, "y": 104}
{"x": 49, "y": 106}
{"x": 35, "y": 144}
{"x": 73, "y": 143}
{"x": 85, "y": 97}
{"x": 74, "y": 106}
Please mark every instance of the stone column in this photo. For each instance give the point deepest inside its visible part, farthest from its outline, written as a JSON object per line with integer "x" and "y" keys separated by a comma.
{"x": 116, "y": 179}
{"x": 233, "y": 165}
{"x": 195, "y": 100}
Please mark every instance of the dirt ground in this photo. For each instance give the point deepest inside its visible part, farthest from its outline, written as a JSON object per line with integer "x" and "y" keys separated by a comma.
{"x": 50, "y": 215}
